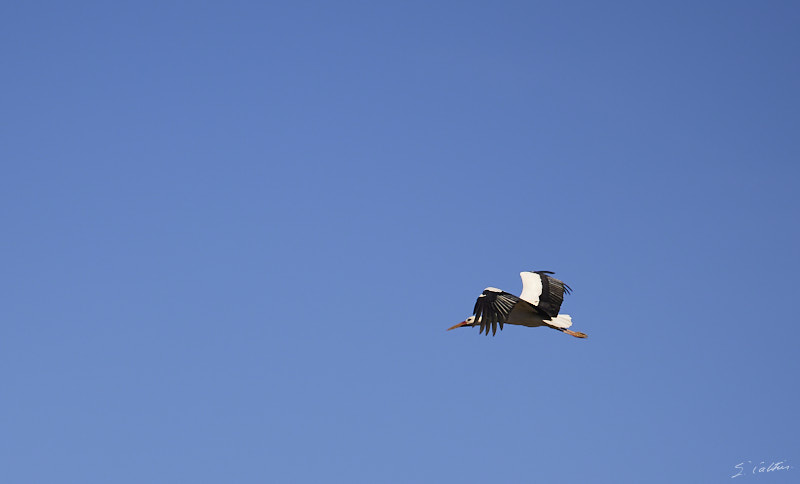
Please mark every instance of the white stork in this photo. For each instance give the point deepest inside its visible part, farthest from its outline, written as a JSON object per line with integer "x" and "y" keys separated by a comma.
{"x": 538, "y": 305}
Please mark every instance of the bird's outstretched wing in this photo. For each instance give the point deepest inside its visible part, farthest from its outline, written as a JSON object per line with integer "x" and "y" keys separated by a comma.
{"x": 492, "y": 307}
{"x": 544, "y": 292}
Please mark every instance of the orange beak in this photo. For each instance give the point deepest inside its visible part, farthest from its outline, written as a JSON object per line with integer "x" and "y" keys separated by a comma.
{"x": 462, "y": 323}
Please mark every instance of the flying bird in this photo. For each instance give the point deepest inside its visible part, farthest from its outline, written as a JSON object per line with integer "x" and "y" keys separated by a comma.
{"x": 538, "y": 305}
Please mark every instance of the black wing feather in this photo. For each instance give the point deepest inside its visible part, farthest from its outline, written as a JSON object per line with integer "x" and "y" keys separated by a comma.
{"x": 492, "y": 308}
{"x": 552, "y": 294}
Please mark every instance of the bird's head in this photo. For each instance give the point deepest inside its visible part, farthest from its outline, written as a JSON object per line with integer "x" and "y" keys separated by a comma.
{"x": 470, "y": 321}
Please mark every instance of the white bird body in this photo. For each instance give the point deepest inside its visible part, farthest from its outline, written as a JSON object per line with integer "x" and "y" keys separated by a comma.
{"x": 524, "y": 316}
{"x": 538, "y": 305}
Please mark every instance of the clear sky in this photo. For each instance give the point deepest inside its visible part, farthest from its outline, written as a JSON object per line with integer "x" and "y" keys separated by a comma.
{"x": 234, "y": 233}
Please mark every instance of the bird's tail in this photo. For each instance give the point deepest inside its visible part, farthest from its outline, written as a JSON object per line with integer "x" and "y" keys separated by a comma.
{"x": 576, "y": 334}
{"x": 560, "y": 321}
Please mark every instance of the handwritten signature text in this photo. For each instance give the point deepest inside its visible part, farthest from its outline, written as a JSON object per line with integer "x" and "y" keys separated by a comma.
{"x": 759, "y": 468}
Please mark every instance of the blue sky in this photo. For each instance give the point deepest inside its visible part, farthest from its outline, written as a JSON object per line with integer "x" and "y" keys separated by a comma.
{"x": 235, "y": 233}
